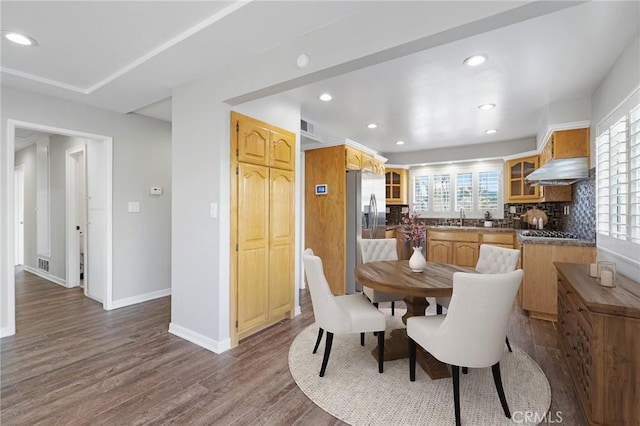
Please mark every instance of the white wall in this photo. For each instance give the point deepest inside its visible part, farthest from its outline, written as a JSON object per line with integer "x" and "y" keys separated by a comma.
{"x": 620, "y": 82}
{"x": 141, "y": 158}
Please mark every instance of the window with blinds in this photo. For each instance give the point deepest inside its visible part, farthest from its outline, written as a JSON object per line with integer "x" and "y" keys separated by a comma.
{"x": 441, "y": 191}
{"x": 618, "y": 173}
{"x": 464, "y": 191}
{"x": 421, "y": 193}
{"x": 488, "y": 191}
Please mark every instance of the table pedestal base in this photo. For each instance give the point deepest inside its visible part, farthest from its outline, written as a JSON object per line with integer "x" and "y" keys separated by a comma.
{"x": 397, "y": 346}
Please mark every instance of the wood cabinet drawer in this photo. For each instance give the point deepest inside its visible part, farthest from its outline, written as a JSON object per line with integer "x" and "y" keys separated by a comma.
{"x": 505, "y": 238}
{"x": 453, "y": 236}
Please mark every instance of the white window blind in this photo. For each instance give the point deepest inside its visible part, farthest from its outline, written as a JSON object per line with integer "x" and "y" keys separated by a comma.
{"x": 618, "y": 173}
{"x": 464, "y": 191}
{"x": 488, "y": 191}
{"x": 441, "y": 193}
{"x": 634, "y": 175}
{"x": 421, "y": 193}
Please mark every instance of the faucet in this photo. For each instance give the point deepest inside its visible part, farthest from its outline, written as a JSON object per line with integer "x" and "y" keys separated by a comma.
{"x": 461, "y": 216}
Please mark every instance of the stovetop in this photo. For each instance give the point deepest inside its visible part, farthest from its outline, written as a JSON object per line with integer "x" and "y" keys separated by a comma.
{"x": 548, "y": 234}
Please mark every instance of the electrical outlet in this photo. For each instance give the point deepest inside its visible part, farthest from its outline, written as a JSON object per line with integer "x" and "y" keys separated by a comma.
{"x": 512, "y": 209}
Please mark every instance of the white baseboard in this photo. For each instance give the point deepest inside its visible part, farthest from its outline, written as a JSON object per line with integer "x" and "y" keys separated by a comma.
{"x": 47, "y": 276}
{"x": 200, "y": 340}
{"x": 7, "y": 331}
{"x": 298, "y": 311}
{"x": 121, "y": 303}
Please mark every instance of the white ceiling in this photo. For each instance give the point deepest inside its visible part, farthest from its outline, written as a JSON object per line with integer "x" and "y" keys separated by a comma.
{"x": 127, "y": 56}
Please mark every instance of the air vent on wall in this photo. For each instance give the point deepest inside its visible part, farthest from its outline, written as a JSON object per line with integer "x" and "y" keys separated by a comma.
{"x": 43, "y": 264}
{"x": 307, "y": 127}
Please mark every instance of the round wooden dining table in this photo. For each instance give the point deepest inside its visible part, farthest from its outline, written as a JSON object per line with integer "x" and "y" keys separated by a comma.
{"x": 395, "y": 276}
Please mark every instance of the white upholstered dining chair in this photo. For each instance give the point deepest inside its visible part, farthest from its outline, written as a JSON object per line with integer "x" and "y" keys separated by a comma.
{"x": 472, "y": 333}
{"x": 373, "y": 250}
{"x": 350, "y": 313}
{"x": 492, "y": 260}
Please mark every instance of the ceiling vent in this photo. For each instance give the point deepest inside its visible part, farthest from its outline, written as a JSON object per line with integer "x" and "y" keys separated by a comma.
{"x": 307, "y": 127}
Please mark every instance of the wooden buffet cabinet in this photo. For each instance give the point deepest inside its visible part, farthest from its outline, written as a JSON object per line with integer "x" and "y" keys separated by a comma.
{"x": 599, "y": 336}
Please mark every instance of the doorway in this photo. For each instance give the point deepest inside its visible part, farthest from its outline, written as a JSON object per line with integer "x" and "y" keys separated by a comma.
{"x": 76, "y": 208}
{"x": 18, "y": 205}
{"x": 102, "y": 153}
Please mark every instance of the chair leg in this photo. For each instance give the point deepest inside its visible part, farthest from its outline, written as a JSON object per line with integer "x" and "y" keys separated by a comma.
{"x": 375, "y": 304}
{"x": 495, "y": 368}
{"x": 412, "y": 360}
{"x": 361, "y": 339}
{"x": 455, "y": 372}
{"x": 465, "y": 370}
{"x": 393, "y": 308}
{"x": 438, "y": 309}
{"x": 506, "y": 339}
{"x": 380, "y": 351}
{"x": 327, "y": 351}
{"x": 320, "y": 331}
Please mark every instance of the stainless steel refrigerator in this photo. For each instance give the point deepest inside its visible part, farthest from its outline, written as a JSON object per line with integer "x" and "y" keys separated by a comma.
{"x": 366, "y": 217}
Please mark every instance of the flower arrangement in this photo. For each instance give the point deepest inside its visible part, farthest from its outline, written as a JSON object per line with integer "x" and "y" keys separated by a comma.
{"x": 416, "y": 229}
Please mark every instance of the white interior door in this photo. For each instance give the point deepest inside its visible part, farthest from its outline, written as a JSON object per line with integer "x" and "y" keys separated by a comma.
{"x": 96, "y": 236}
{"x": 18, "y": 204}
{"x": 74, "y": 156}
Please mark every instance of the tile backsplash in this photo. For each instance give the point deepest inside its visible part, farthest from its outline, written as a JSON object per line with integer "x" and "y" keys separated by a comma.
{"x": 580, "y": 220}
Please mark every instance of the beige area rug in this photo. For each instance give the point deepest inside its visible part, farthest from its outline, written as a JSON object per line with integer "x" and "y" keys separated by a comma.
{"x": 354, "y": 392}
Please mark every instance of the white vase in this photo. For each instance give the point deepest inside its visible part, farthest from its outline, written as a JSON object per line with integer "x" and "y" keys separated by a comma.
{"x": 417, "y": 262}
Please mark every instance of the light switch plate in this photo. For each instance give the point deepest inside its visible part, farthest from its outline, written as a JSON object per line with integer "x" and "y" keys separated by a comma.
{"x": 213, "y": 210}
{"x": 134, "y": 207}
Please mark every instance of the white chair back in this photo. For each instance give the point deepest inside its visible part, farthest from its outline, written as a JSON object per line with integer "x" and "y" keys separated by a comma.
{"x": 497, "y": 260}
{"x": 472, "y": 333}
{"x": 378, "y": 249}
{"x": 326, "y": 311}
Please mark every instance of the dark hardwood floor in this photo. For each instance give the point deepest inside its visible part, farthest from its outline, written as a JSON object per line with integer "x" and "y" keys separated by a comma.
{"x": 71, "y": 362}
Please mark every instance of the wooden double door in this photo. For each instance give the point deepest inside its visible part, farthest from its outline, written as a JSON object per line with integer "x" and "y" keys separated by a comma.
{"x": 264, "y": 230}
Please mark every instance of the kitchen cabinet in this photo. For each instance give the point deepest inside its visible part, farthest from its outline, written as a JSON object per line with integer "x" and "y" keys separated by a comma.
{"x": 262, "y": 225}
{"x": 352, "y": 158}
{"x": 567, "y": 144}
{"x": 397, "y": 186}
{"x": 259, "y": 143}
{"x": 597, "y": 335}
{"x": 367, "y": 162}
{"x": 378, "y": 167}
{"x": 462, "y": 248}
{"x": 518, "y": 190}
{"x": 539, "y": 285}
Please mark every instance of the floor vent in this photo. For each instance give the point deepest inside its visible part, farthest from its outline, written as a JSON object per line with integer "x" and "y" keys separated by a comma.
{"x": 43, "y": 264}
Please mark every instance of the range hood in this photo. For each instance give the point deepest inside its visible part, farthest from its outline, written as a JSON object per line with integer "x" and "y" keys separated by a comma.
{"x": 559, "y": 172}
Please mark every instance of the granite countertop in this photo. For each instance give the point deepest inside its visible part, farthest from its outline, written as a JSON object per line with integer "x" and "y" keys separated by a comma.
{"x": 554, "y": 241}
{"x": 468, "y": 228}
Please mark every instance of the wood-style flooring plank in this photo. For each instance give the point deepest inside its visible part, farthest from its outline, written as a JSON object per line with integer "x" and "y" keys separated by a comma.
{"x": 72, "y": 363}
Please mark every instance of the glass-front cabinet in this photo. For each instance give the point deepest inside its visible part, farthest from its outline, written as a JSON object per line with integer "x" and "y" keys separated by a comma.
{"x": 396, "y": 186}
{"x": 518, "y": 189}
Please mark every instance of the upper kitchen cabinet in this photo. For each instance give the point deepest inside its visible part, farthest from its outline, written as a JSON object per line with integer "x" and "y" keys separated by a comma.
{"x": 567, "y": 144}
{"x": 368, "y": 163}
{"x": 518, "y": 189}
{"x": 378, "y": 166}
{"x": 397, "y": 186}
{"x": 262, "y": 145}
{"x": 352, "y": 158}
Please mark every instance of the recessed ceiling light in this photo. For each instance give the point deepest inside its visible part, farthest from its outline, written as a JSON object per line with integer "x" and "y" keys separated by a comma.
{"x": 475, "y": 60}
{"x": 20, "y": 39}
{"x": 372, "y": 125}
{"x": 490, "y": 131}
{"x": 303, "y": 60}
{"x": 485, "y": 107}
{"x": 400, "y": 143}
{"x": 325, "y": 97}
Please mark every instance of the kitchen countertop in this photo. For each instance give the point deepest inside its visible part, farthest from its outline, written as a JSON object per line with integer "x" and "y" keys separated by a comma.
{"x": 468, "y": 228}
{"x": 553, "y": 241}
